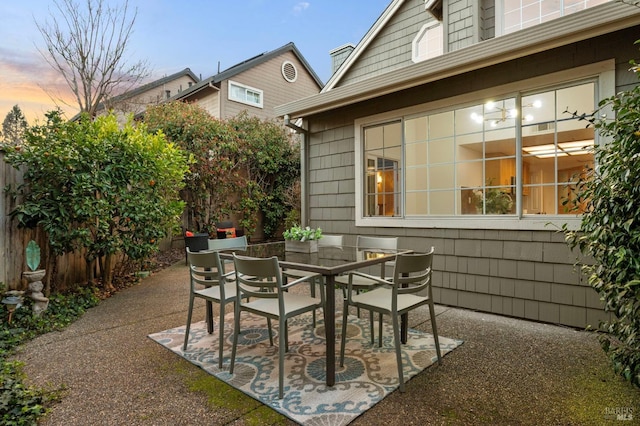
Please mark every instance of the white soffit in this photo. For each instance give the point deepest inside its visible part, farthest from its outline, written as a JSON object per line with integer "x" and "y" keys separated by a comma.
{"x": 593, "y": 22}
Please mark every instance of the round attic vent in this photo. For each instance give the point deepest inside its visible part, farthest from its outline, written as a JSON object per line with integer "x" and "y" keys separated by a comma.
{"x": 289, "y": 71}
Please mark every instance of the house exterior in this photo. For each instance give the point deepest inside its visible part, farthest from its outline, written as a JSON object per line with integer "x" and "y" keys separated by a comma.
{"x": 136, "y": 101}
{"x": 256, "y": 85}
{"x": 450, "y": 125}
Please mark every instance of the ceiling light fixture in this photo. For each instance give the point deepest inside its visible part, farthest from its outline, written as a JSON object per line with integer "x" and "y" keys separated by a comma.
{"x": 564, "y": 148}
{"x": 505, "y": 113}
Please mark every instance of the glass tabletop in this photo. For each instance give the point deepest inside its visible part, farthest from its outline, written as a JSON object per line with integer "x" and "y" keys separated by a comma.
{"x": 328, "y": 260}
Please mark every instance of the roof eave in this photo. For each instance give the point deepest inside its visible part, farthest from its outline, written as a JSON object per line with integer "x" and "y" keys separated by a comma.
{"x": 580, "y": 26}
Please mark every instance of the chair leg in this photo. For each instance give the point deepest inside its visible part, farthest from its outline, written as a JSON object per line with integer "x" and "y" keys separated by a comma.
{"x": 313, "y": 294}
{"x": 343, "y": 335}
{"x": 432, "y": 314}
{"x": 220, "y": 335}
{"x": 379, "y": 330}
{"x": 396, "y": 340}
{"x": 236, "y": 331}
{"x": 282, "y": 326}
{"x": 186, "y": 332}
{"x": 373, "y": 337}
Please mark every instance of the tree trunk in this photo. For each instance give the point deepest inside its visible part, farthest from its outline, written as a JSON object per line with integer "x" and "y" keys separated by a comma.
{"x": 107, "y": 272}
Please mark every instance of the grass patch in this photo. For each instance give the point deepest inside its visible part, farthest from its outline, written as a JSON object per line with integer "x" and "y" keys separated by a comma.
{"x": 598, "y": 390}
{"x": 220, "y": 395}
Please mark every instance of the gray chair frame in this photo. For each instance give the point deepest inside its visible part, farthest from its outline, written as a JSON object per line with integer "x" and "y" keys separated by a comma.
{"x": 260, "y": 281}
{"x": 410, "y": 288}
{"x": 325, "y": 241}
{"x": 362, "y": 282}
{"x": 237, "y": 243}
{"x": 208, "y": 281}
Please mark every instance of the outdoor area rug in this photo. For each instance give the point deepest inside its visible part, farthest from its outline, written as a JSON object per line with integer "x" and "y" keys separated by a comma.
{"x": 370, "y": 373}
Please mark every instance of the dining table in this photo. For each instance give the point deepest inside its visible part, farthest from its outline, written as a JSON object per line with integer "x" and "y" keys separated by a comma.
{"x": 328, "y": 261}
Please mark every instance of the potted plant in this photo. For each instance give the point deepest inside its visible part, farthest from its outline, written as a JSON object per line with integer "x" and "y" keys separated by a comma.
{"x": 302, "y": 240}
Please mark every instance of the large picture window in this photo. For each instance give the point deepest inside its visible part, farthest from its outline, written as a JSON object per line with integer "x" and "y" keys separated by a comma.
{"x": 513, "y": 156}
{"x": 519, "y": 14}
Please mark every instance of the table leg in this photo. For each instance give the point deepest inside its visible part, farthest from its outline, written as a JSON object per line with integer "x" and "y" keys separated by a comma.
{"x": 209, "y": 314}
{"x": 330, "y": 327}
{"x": 404, "y": 328}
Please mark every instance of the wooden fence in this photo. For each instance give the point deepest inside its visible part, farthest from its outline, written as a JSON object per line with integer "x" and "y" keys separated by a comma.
{"x": 66, "y": 270}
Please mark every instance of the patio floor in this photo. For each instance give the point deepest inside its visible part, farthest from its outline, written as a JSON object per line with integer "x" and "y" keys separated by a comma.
{"x": 508, "y": 371}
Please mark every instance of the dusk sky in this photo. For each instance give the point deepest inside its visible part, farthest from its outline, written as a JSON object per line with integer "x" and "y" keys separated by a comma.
{"x": 172, "y": 35}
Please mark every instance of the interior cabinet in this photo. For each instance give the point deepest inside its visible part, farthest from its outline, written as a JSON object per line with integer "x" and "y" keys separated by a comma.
{"x": 503, "y": 173}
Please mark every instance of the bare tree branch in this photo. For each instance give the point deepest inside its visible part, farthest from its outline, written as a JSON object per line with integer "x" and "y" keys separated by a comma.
{"x": 87, "y": 44}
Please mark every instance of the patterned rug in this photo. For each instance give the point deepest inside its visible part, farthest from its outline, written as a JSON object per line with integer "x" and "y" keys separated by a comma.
{"x": 370, "y": 373}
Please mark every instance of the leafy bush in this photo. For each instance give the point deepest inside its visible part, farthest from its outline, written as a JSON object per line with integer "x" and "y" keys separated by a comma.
{"x": 609, "y": 232}
{"x": 98, "y": 187}
{"x": 242, "y": 168}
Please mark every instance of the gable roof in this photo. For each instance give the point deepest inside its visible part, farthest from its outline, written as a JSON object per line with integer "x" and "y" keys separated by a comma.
{"x": 154, "y": 84}
{"x": 129, "y": 94}
{"x": 248, "y": 64}
{"x": 380, "y": 23}
{"x": 598, "y": 20}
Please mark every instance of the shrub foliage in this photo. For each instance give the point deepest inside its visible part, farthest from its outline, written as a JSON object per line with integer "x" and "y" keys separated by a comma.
{"x": 609, "y": 234}
{"x": 243, "y": 168}
{"x": 98, "y": 187}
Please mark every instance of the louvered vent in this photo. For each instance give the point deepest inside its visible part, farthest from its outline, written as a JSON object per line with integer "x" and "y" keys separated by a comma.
{"x": 544, "y": 127}
{"x": 289, "y": 71}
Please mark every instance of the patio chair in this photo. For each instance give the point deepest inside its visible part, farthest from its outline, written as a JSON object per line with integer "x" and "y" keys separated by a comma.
{"x": 325, "y": 241}
{"x": 237, "y": 243}
{"x": 260, "y": 279}
{"x": 226, "y": 229}
{"x": 208, "y": 281}
{"x": 194, "y": 242}
{"x": 409, "y": 289}
{"x": 362, "y": 283}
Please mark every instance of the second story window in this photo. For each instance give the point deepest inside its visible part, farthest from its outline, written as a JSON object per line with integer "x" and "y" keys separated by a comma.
{"x": 245, "y": 94}
{"x": 519, "y": 14}
{"x": 428, "y": 43}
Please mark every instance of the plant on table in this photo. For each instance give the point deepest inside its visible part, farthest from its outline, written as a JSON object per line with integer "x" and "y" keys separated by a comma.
{"x": 298, "y": 233}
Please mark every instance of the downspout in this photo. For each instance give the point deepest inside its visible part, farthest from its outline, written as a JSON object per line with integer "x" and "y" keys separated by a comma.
{"x": 304, "y": 170}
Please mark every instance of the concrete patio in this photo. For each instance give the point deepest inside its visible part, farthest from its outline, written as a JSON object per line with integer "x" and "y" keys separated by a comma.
{"x": 508, "y": 371}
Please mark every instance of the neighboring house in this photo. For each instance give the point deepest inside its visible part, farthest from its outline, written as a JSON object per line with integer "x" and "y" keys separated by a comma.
{"x": 135, "y": 101}
{"x": 447, "y": 126}
{"x": 256, "y": 85}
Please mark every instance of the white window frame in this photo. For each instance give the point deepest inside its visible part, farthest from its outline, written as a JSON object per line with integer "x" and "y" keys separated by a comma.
{"x": 424, "y": 31}
{"x": 245, "y": 89}
{"x": 604, "y": 74}
{"x": 563, "y": 11}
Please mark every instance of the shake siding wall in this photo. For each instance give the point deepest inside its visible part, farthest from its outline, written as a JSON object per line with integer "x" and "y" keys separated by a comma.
{"x": 460, "y": 25}
{"x": 487, "y": 19}
{"x": 276, "y": 90}
{"x": 391, "y": 49}
{"x": 526, "y": 274}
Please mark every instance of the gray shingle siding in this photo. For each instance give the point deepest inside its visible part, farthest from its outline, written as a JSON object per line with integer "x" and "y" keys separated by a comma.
{"x": 392, "y": 47}
{"x": 527, "y": 274}
{"x": 459, "y": 24}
